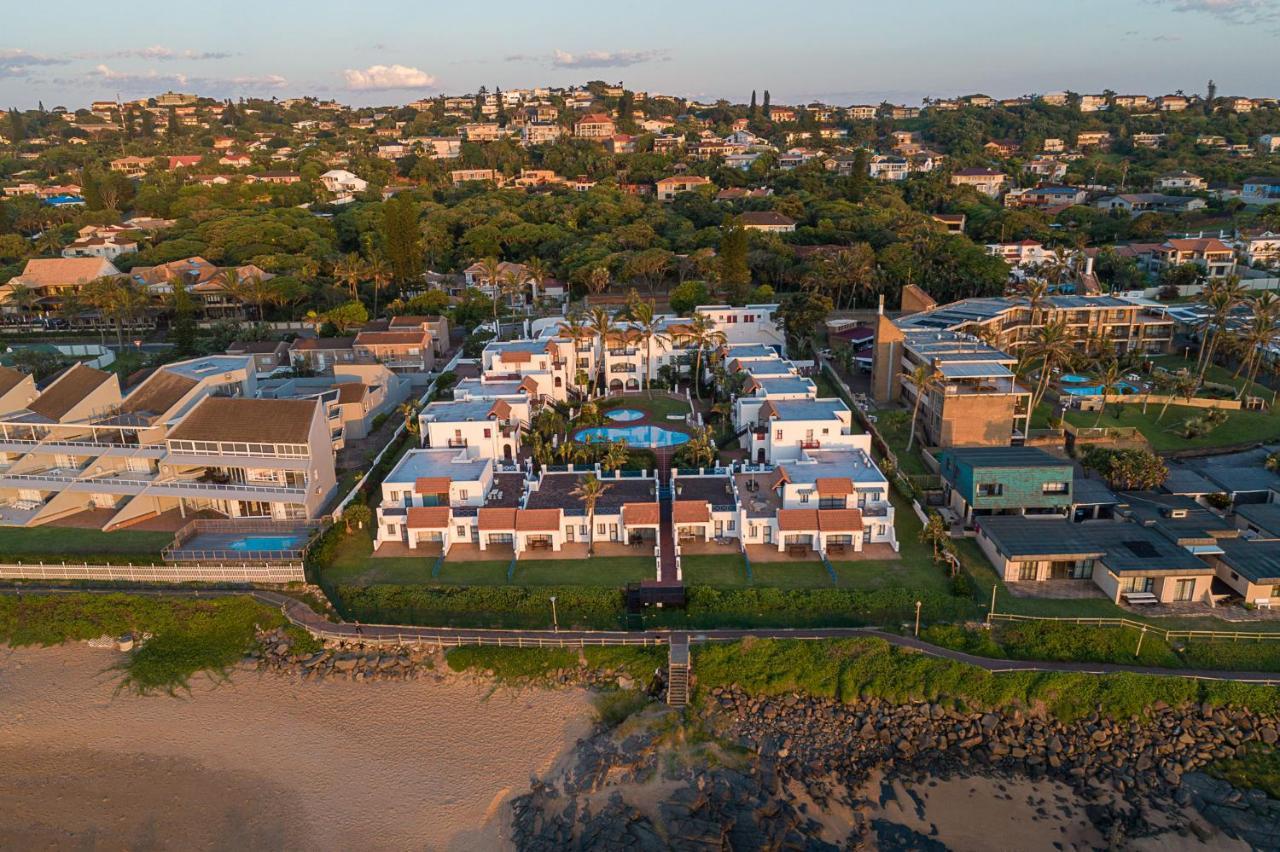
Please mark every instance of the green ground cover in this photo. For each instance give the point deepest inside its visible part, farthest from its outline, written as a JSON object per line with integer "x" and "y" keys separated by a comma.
{"x": 72, "y": 544}
{"x": 1164, "y": 434}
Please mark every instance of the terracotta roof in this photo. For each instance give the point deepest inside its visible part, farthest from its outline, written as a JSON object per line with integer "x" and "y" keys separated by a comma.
{"x": 261, "y": 421}
{"x": 325, "y": 343}
{"x": 690, "y": 512}
{"x": 767, "y": 412}
{"x": 10, "y": 379}
{"x": 798, "y": 519}
{"x": 160, "y": 392}
{"x": 501, "y": 409}
{"x": 834, "y": 486}
{"x": 641, "y": 514}
{"x": 351, "y": 392}
{"x": 500, "y": 519}
{"x": 538, "y": 520}
{"x": 427, "y": 517}
{"x": 64, "y": 271}
{"x": 392, "y": 338}
{"x": 529, "y": 383}
{"x": 431, "y": 485}
{"x": 780, "y": 476}
{"x": 1205, "y": 244}
{"x": 68, "y": 390}
{"x": 765, "y": 217}
{"x": 515, "y": 356}
{"x": 839, "y": 520}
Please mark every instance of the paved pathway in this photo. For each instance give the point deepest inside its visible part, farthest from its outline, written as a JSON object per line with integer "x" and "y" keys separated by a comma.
{"x": 304, "y": 616}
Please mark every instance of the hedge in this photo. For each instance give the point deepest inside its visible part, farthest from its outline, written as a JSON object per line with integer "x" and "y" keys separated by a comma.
{"x": 483, "y": 606}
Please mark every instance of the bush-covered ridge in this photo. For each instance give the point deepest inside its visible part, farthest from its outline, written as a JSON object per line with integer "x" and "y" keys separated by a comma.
{"x": 849, "y": 669}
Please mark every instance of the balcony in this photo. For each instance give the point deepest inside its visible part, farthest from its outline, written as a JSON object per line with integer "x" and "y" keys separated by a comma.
{"x": 622, "y": 368}
{"x": 623, "y": 353}
{"x": 456, "y": 443}
{"x": 810, "y": 444}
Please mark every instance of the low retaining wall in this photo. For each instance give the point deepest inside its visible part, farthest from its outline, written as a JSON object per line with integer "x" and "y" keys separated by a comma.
{"x": 287, "y": 573}
{"x": 1159, "y": 400}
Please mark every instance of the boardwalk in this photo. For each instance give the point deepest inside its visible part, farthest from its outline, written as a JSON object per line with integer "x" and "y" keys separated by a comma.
{"x": 395, "y": 634}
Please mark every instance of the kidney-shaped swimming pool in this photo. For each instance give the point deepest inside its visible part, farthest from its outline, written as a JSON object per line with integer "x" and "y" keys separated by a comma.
{"x": 643, "y": 437}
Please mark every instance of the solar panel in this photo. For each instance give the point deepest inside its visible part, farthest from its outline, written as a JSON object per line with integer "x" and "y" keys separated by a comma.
{"x": 1141, "y": 549}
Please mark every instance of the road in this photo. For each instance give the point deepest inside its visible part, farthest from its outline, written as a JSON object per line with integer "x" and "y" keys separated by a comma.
{"x": 304, "y": 616}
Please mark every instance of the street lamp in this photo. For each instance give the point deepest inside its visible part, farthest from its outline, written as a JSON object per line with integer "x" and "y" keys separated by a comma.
{"x": 917, "y": 619}
{"x": 555, "y": 623}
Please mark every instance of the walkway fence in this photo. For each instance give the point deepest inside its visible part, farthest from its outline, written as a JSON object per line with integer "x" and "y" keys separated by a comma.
{"x": 186, "y": 573}
{"x": 1143, "y": 627}
{"x": 457, "y": 640}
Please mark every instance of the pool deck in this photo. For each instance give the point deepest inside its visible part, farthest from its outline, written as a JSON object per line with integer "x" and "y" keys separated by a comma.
{"x": 206, "y": 546}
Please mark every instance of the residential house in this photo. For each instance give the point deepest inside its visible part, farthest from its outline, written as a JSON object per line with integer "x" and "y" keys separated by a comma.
{"x": 595, "y": 125}
{"x": 768, "y": 221}
{"x": 485, "y": 428}
{"x": 422, "y": 492}
{"x": 1045, "y": 197}
{"x": 983, "y": 481}
{"x": 1135, "y": 204}
{"x": 1213, "y": 256}
{"x": 669, "y": 187}
{"x": 44, "y": 282}
{"x": 322, "y": 354}
{"x": 464, "y": 176}
{"x": 1261, "y": 190}
{"x": 402, "y": 350}
{"x": 986, "y": 181}
{"x": 1181, "y": 180}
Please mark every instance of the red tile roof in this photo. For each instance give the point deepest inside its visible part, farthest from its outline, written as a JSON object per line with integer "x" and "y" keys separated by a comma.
{"x": 427, "y": 517}
{"x": 641, "y": 514}
{"x": 690, "y": 512}
{"x": 500, "y": 519}
{"x": 835, "y": 486}
{"x": 431, "y": 485}
{"x": 839, "y": 520}
{"x": 538, "y": 520}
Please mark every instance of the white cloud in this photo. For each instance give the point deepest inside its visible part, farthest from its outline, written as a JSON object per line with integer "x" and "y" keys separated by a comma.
{"x": 1234, "y": 11}
{"x": 13, "y": 57}
{"x": 151, "y": 81}
{"x": 379, "y": 77}
{"x": 605, "y": 58}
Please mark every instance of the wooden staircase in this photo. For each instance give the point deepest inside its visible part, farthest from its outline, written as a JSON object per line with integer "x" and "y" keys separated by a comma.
{"x": 678, "y": 671}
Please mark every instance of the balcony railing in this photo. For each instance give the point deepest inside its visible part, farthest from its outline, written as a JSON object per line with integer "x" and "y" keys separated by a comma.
{"x": 456, "y": 443}
{"x": 810, "y": 444}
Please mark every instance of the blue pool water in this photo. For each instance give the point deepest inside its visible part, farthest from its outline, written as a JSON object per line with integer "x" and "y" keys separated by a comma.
{"x": 1096, "y": 390}
{"x": 644, "y": 437}
{"x": 1072, "y": 378}
{"x": 268, "y": 542}
{"x": 624, "y": 415}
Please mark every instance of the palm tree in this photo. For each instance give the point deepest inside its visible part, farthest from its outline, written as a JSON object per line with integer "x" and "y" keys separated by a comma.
{"x": 251, "y": 289}
{"x": 24, "y": 297}
{"x": 926, "y": 379}
{"x": 589, "y": 490}
{"x": 1184, "y": 385}
{"x": 603, "y": 325}
{"x": 510, "y": 286}
{"x": 650, "y": 328}
{"x": 379, "y": 272}
{"x": 1052, "y": 347}
{"x": 409, "y": 411}
{"x": 701, "y": 333}
{"x": 536, "y": 273}
{"x": 1108, "y": 379}
{"x": 1221, "y": 297}
{"x": 615, "y": 456}
{"x": 598, "y": 280}
{"x": 1255, "y": 339}
{"x": 577, "y": 330}
{"x": 350, "y": 270}
{"x": 490, "y": 269}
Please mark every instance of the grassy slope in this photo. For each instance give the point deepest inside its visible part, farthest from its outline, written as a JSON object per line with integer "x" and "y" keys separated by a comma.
{"x": 56, "y": 544}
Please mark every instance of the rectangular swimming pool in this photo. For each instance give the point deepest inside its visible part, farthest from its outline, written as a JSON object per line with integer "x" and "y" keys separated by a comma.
{"x": 268, "y": 542}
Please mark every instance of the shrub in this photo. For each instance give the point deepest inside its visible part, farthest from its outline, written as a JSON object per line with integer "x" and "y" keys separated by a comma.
{"x": 616, "y": 706}
{"x": 483, "y": 606}
{"x": 511, "y": 664}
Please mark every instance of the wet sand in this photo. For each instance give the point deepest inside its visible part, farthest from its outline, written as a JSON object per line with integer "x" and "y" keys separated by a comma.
{"x": 265, "y": 762}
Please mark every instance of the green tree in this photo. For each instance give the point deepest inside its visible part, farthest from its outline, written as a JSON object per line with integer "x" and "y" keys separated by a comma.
{"x": 687, "y": 296}
{"x": 735, "y": 274}
{"x": 183, "y": 327}
{"x": 589, "y": 490}
{"x": 347, "y": 316}
{"x": 401, "y": 238}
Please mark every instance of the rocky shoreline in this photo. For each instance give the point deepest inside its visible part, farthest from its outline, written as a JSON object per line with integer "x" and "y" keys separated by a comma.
{"x": 805, "y": 758}
{"x": 796, "y": 772}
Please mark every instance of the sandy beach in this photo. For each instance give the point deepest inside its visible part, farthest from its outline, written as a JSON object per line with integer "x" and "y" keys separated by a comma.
{"x": 265, "y": 761}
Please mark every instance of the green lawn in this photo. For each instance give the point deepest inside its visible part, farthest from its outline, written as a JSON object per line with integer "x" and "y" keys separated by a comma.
{"x": 58, "y": 544}
{"x": 596, "y": 571}
{"x": 728, "y": 571}
{"x": 826, "y": 387}
{"x": 657, "y": 408}
{"x": 895, "y": 427}
{"x": 1215, "y": 374}
{"x": 1164, "y": 435}
{"x": 790, "y": 575}
{"x": 474, "y": 573}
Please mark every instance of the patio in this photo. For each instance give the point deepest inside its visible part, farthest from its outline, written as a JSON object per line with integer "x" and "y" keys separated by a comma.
{"x": 1056, "y": 589}
{"x": 770, "y": 553}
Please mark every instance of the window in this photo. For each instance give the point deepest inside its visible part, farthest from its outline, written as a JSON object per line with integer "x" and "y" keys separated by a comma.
{"x": 1136, "y": 584}
{"x": 602, "y": 529}
{"x": 1055, "y": 488}
{"x": 1027, "y": 571}
{"x": 990, "y": 489}
{"x": 488, "y": 433}
{"x": 777, "y": 435}
{"x": 804, "y": 496}
{"x": 462, "y": 493}
{"x": 462, "y": 532}
{"x": 391, "y": 529}
{"x": 732, "y": 524}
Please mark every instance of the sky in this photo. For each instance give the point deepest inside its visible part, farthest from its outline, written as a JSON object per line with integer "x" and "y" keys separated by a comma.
{"x": 840, "y": 51}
